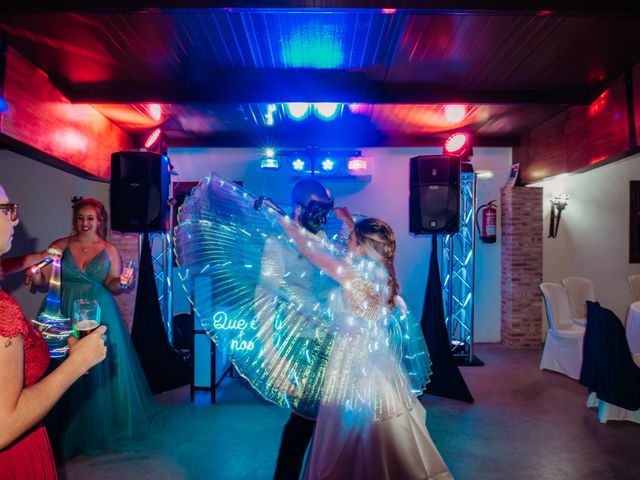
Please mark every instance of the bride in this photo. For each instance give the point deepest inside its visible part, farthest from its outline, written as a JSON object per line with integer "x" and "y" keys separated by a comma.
{"x": 370, "y": 423}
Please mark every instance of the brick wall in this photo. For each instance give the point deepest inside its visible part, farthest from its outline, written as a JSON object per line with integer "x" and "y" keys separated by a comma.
{"x": 128, "y": 246}
{"x": 521, "y": 221}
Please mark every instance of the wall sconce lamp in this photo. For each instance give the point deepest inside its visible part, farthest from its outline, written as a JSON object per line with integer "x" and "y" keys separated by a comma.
{"x": 558, "y": 204}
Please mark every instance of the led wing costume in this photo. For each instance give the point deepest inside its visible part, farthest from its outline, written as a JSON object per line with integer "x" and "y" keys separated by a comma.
{"x": 295, "y": 334}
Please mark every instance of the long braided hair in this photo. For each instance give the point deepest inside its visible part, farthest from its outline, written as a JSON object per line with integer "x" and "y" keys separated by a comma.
{"x": 379, "y": 242}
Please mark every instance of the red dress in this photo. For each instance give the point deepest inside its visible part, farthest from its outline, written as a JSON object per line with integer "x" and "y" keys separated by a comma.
{"x": 29, "y": 457}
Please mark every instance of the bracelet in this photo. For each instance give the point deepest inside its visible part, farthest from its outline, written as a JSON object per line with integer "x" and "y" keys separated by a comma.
{"x": 54, "y": 251}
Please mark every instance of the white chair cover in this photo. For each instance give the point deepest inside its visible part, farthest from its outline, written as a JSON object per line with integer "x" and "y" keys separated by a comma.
{"x": 563, "y": 347}
{"x": 607, "y": 411}
{"x": 634, "y": 285}
{"x": 632, "y": 327}
{"x": 579, "y": 290}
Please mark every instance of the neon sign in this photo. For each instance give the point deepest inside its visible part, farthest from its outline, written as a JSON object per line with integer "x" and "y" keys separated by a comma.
{"x": 221, "y": 321}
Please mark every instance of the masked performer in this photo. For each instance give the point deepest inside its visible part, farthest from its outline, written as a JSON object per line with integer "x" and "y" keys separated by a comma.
{"x": 346, "y": 350}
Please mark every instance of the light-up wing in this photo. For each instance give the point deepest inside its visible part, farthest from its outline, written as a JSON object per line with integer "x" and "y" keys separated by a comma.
{"x": 260, "y": 301}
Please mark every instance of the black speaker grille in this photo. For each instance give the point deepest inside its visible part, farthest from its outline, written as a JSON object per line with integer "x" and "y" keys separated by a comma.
{"x": 434, "y": 199}
{"x": 139, "y": 192}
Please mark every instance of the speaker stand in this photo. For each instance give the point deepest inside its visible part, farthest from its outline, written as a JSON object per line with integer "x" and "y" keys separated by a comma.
{"x": 465, "y": 362}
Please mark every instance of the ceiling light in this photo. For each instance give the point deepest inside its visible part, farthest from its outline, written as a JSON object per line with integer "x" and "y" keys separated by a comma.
{"x": 155, "y": 110}
{"x": 455, "y": 113}
{"x": 328, "y": 164}
{"x": 297, "y": 111}
{"x": 455, "y": 144}
{"x": 153, "y": 138}
{"x": 298, "y": 164}
{"x": 326, "y": 111}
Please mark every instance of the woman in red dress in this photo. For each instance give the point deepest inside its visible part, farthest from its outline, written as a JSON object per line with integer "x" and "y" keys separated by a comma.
{"x": 25, "y": 452}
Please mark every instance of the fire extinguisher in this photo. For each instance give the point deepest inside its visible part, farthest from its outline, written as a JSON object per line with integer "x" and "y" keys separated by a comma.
{"x": 489, "y": 216}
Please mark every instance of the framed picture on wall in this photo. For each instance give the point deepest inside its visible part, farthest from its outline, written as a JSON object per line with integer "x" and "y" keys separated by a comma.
{"x": 513, "y": 175}
{"x": 634, "y": 221}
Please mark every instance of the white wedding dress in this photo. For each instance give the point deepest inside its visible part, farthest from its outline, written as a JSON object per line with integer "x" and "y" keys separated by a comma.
{"x": 384, "y": 434}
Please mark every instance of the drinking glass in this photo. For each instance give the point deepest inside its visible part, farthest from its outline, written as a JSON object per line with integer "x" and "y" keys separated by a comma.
{"x": 86, "y": 317}
{"x": 127, "y": 274}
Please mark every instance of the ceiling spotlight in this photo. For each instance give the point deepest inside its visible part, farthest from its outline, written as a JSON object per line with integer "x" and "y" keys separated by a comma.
{"x": 456, "y": 144}
{"x": 269, "y": 152}
{"x": 270, "y": 163}
{"x": 326, "y": 111}
{"x": 327, "y": 164}
{"x": 297, "y": 111}
{"x": 298, "y": 164}
{"x": 357, "y": 164}
{"x": 455, "y": 113}
{"x": 153, "y": 138}
{"x": 271, "y": 109}
{"x": 155, "y": 110}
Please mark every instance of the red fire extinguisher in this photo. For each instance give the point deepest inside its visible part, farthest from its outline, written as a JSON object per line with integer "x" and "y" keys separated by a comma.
{"x": 487, "y": 229}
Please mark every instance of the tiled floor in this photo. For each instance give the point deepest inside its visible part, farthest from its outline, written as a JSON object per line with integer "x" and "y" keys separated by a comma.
{"x": 524, "y": 424}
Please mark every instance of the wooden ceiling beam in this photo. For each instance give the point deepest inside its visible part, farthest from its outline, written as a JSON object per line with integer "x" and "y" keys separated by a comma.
{"x": 280, "y": 86}
{"x": 239, "y": 140}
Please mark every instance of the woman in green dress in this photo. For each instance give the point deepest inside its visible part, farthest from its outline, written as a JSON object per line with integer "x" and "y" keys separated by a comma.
{"x": 112, "y": 402}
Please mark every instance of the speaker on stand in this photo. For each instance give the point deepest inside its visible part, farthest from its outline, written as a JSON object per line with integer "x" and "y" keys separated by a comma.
{"x": 139, "y": 191}
{"x": 139, "y": 201}
{"x": 434, "y": 194}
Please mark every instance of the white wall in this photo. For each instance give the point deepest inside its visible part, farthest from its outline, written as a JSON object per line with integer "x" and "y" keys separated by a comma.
{"x": 44, "y": 194}
{"x": 386, "y": 196}
{"x": 593, "y": 238}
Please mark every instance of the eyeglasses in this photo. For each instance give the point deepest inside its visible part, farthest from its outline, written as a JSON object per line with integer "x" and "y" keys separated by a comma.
{"x": 12, "y": 210}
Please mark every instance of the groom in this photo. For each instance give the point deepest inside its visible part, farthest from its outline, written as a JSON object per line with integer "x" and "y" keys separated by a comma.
{"x": 311, "y": 204}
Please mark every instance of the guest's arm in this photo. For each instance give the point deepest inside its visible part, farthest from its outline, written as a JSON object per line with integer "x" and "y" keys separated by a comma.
{"x": 19, "y": 263}
{"x": 42, "y": 276}
{"x": 21, "y": 408}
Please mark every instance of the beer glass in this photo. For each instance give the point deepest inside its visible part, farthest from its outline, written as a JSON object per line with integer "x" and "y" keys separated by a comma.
{"x": 86, "y": 317}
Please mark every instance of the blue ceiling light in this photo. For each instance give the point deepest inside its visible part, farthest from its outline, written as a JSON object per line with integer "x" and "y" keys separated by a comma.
{"x": 314, "y": 45}
{"x": 270, "y": 163}
{"x": 297, "y": 111}
{"x": 298, "y": 164}
{"x": 328, "y": 164}
{"x": 268, "y": 119}
{"x": 327, "y": 111}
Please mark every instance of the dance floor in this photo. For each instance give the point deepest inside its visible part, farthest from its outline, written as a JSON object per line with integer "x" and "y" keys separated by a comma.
{"x": 524, "y": 424}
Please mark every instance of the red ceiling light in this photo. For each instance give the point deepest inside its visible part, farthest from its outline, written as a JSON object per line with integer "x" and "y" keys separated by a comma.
{"x": 153, "y": 138}
{"x": 155, "y": 110}
{"x": 156, "y": 142}
{"x": 456, "y": 144}
{"x": 455, "y": 113}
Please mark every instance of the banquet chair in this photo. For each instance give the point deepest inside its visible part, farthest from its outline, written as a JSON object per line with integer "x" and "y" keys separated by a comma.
{"x": 579, "y": 290}
{"x": 634, "y": 285}
{"x": 563, "y": 347}
{"x": 608, "y": 411}
{"x": 609, "y": 369}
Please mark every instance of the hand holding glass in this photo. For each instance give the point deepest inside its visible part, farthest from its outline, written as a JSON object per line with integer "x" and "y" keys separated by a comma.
{"x": 127, "y": 274}
{"x": 86, "y": 317}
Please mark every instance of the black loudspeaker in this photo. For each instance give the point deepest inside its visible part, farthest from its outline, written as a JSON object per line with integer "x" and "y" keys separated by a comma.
{"x": 139, "y": 192}
{"x": 434, "y": 194}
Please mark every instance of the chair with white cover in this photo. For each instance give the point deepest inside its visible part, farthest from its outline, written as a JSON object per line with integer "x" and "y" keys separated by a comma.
{"x": 634, "y": 285}
{"x": 608, "y": 411}
{"x": 579, "y": 290}
{"x": 609, "y": 369}
{"x": 563, "y": 346}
